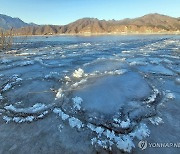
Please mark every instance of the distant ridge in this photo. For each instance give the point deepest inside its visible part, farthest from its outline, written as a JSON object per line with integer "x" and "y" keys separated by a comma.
{"x": 7, "y": 22}
{"x": 150, "y": 23}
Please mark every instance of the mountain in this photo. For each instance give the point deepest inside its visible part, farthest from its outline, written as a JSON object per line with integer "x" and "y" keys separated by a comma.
{"x": 155, "y": 20}
{"x": 150, "y": 23}
{"x": 7, "y": 22}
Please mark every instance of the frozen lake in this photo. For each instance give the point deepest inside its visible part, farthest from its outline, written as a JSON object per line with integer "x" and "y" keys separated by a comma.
{"x": 75, "y": 94}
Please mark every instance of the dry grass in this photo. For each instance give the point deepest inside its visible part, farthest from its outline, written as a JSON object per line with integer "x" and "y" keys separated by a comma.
{"x": 6, "y": 40}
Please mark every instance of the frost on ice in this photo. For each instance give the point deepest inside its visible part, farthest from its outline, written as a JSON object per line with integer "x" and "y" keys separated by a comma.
{"x": 141, "y": 132}
{"x": 156, "y": 120}
{"x": 7, "y": 119}
{"x": 12, "y": 81}
{"x": 18, "y": 119}
{"x": 112, "y": 100}
{"x": 78, "y": 73}
{"x": 34, "y": 109}
{"x": 77, "y": 102}
{"x": 106, "y": 138}
{"x": 103, "y": 95}
{"x": 59, "y": 93}
{"x": 61, "y": 113}
{"x": 29, "y": 114}
{"x": 125, "y": 124}
{"x": 74, "y": 122}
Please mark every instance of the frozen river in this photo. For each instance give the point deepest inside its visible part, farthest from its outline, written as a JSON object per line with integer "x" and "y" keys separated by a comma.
{"x": 73, "y": 94}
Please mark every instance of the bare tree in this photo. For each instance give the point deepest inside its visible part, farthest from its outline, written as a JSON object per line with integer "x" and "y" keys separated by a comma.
{"x": 6, "y": 39}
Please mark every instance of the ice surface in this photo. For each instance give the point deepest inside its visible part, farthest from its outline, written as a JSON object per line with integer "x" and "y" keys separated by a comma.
{"x": 89, "y": 94}
{"x": 158, "y": 69}
{"x": 102, "y": 65}
{"x": 108, "y": 94}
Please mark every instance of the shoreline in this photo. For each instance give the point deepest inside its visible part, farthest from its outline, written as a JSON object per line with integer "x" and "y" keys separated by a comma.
{"x": 99, "y": 34}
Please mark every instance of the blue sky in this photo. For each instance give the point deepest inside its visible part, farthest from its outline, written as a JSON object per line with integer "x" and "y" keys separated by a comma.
{"x": 62, "y": 12}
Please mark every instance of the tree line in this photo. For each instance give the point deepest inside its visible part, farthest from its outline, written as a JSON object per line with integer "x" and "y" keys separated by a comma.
{"x": 6, "y": 39}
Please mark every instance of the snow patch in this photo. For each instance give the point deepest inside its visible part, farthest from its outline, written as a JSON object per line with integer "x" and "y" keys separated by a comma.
{"x": 74, "y": 122}
{"x": 7, "y": 87}
{"x": 21, "y": 119}
{"x": 7, "y": 119}
{"x": 78, "y": 73}
{"x": 15, "y": 79}
{"x": 77, "y": 102}
{"x": 79, "y": 83}
{"x": 152, "y": 98}
{"x": 125, "y": 144}
{"x": 61, "y": 113}
{"x": 43, "y": 114}
{"x": 59, "y": 93}
{"x": 67, "y": 78}
{"x": 141, "y": 132}
{"x": 116, "y": 72}
{"x": 125, "y": 124}
{"x": 34, "y": 109}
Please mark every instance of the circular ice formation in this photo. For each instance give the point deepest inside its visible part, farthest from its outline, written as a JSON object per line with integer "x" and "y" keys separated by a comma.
{"x": 106, "y": 95}
{"x": 114, "y": 101}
